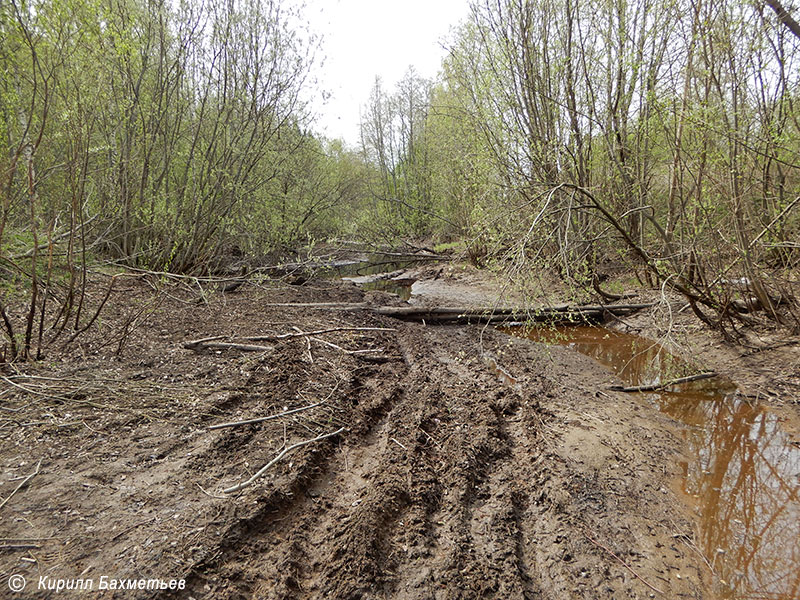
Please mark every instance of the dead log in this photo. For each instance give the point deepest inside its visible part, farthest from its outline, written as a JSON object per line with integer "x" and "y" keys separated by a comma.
{"x": 565, "y": 313}
{"x": 608, "y": 295}
{"x": 660, "y": 386}
{"x": 551, "y": 314}
{"x": 485, "y": 315}
{"x": 362, "y": 279}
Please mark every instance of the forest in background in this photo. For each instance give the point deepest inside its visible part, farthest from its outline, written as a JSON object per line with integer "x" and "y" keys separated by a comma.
{"x": 662, "y": 135}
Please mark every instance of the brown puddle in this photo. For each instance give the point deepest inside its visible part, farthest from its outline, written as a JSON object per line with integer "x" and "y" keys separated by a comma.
{"x": 743, "y": 475}
{"x": 363, "y": 273}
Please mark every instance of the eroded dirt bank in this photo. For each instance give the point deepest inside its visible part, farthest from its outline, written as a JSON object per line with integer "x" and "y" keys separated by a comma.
{"x": 449, "y": 482}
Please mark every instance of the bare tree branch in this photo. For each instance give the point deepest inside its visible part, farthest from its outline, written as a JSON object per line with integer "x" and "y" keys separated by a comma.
{"x": 784, "y": 17}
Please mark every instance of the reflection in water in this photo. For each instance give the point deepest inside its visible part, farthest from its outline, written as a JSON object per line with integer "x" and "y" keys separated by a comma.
{"x": 743, "y": 475}
{"x": 377, "y": 264}
{"x": 373, "y": 265}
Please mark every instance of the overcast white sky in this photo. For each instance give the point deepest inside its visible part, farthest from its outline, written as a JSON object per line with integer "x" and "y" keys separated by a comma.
{"x": 365, "y": 38}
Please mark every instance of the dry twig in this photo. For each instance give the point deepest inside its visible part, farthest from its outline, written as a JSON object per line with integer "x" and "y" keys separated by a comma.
{"x": 660, "y": 386}
{"x": 22, "y": 483}
{"x": 622, "y": 562}
{"x": 192, "y": 343}
{"x": 269, "y": 418}
{"x": 283, "y": 336}
{"x": 226, "y": 346}
{"x": 284, "y": 452}
{"x": 345, "y": 350}
{"x": 399, "y": 444}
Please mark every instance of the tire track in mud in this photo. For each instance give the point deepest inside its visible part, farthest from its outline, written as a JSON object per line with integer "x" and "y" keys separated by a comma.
{"x": 283, "y": 512}
{"x": 419, "y": 501}
{"x": 338, "y": 545}
{"x": 490, "y": 558}
{"x": 414, "y": 535}
{"x": 336, "y": 506}
{"x": 505, "y": 551}
{"x": 449, "y": 485}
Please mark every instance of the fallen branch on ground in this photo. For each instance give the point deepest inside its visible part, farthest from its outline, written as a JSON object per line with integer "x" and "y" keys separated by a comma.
{"x": 319, "y": 305}
{"x": 211, "y": 343}
{"x": 191, "y": 344}
{"x": 376, "y": 277}
{"x": 22, "y": 483}
{"x": 660, "y": 386}
{"x": 563, "y": 314}
{"x": 416, "y": 256}
{"x": 284, "y": 452}
{"x": 196, "y": 346}
{"x": 622, "y": 562}
{"x": 608, "y": 295}
{"x": 345, "y": 350}
{"x": 284, "y": 336}
{"x": 269, "y": 418}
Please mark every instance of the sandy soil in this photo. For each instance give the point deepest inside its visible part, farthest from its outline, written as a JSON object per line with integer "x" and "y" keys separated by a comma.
{"x": 453, "y": 478}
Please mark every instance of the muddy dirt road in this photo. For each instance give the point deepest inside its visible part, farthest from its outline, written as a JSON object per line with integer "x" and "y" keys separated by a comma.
{"x": 472, "y": 464}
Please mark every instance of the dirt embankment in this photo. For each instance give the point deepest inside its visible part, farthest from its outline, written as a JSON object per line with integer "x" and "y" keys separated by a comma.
{"x": 450, "y": 481}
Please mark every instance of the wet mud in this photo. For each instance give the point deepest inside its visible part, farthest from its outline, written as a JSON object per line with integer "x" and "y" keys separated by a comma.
{"x": 474, "y": 464}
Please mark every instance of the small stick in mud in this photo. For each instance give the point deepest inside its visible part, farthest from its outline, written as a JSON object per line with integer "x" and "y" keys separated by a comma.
{"x": 131, "y": 528}
{"x": 622, "y": 562}
{"x": 660, "y": 386}
{"x": 284, "y": 452}
{"x": 22, "y": 483}
{"x": 194, "y": 343}
{"x": 226, "y": 346}
{"x": 308, "y": 344}
{"x": 209, "y": 494}
{"x": 345, "y": 350}
{"x": 429, "y": 436}
{"x": 399, "y": 444}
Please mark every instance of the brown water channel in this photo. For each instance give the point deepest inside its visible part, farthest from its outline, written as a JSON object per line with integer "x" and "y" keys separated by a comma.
{"x": 742, "y": 477}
